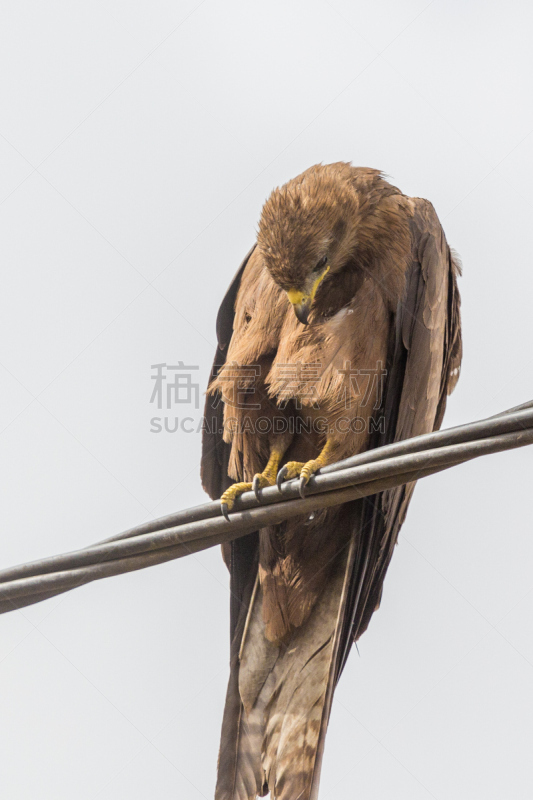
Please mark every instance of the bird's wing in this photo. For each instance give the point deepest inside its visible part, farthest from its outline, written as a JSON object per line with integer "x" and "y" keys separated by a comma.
{"x": 215, "y": 452}
{"x": 423, "y": 368}
{"x": 240, "y": 555}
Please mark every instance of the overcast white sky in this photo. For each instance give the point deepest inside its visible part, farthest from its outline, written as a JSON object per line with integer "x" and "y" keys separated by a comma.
{"x": 138, "y": 142}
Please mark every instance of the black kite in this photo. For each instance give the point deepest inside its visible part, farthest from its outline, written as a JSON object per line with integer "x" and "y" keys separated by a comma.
{"x": 340, "y": 332}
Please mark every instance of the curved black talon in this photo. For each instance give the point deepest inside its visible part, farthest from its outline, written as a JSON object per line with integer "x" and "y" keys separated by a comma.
{"x": 302, "y": 488}
{"x": 281, "y": 477}
{"x": 256, "y": 487}
{"x": 224, "y": 509}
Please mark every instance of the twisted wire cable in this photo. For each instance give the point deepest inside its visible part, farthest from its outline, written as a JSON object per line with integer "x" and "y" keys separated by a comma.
{"x": 201, "y": 527}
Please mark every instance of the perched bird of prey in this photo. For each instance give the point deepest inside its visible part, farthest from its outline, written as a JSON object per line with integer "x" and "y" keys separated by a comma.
{"x": 340, "y": 332}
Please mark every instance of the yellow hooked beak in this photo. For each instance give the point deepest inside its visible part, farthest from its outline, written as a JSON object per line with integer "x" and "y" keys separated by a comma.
{"x": 301, "y": 301}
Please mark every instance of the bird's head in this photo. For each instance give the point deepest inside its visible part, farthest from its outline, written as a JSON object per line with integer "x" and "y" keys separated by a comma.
{"x": 307, "y": 233}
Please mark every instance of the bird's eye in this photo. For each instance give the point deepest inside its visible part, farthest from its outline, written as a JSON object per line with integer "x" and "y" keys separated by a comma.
{"x": 321, "y": 264}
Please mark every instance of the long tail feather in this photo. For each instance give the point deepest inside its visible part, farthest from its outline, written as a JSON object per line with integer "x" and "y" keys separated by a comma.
{"x": 284, "y": 693}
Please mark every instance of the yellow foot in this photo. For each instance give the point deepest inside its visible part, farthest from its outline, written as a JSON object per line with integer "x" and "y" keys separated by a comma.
{"x": 260, "y": 481}
{"x": 230, "y": 495}
{"x": 295, "y": 469}
{"x": 292, "y": 469}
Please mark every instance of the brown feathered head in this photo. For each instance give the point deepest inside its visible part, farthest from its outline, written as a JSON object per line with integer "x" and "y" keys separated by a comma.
{"x": 307, "y": 231}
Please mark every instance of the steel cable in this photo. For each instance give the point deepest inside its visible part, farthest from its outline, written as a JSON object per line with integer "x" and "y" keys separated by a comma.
{"x": 198, "y": 528}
